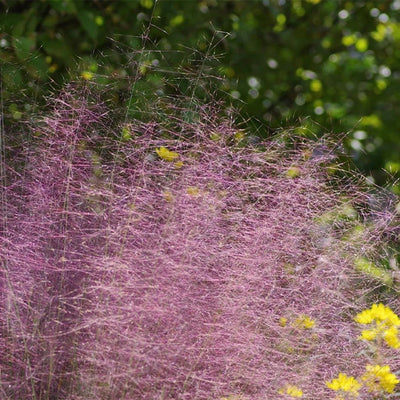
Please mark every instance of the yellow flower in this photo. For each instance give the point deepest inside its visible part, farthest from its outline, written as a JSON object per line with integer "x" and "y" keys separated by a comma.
{"x": 345, "y": 383}
{"x": 391, "y": 337}
{"x": 369, "y": 334}
{"x": 291, "y": 390}
{"x": 53, "y": 68}
{"x": 239, "y": 136}
{"x": 386, "y": 323}
{"x": 293, "y": 172}
{"x": 87, "y": 75}
{"x": 166, "y": 154}
{"x": 304, "y": 322}
{"x": 379, "y": 378}
{"x": 178, "y": 164}
{"x": 193, "y": 191}
{"x": 378, "y": 313}
{"x": 168, "y": 196}
{"x": 282, "y": 321}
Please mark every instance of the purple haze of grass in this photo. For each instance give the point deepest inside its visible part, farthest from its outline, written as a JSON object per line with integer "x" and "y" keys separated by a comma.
{"x": 128, "y": 276}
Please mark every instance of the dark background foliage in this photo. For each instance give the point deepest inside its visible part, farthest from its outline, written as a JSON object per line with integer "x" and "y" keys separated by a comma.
{"x": 328, "y": 65}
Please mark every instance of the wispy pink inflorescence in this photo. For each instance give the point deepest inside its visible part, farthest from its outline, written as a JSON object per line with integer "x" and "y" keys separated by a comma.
{"x": 177, "y": 263}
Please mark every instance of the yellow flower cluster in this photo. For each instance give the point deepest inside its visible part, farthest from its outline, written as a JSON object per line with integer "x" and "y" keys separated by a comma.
{"x": 378, "y": 378}
{"x": 166, "y": 154}
{"x": 379, "y": 313}
{"x": 385, "y": 325}
{"x": 169, "y": 156}
{"x": 304, "y": 322}
{"x": 193, "y": 191}
{"x": 291, "y": 390}
{"x": 301, "y": 322}
{"x": 344, "y": 383}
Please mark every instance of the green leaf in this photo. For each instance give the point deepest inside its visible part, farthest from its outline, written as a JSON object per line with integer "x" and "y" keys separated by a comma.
{"x": 66, "y": 6}
{"x": 8, "y": 21}
{"x": 58, "y": 49}
{"x": 88, "y": 23}
{"x": 11, "y": 77}
{"x": 177, "y": 20}
{"x": 146, "y": 3}
{"x": 24, "y": 47}
{"x": 37, "y": 66}
{"x": 367, "y": 267}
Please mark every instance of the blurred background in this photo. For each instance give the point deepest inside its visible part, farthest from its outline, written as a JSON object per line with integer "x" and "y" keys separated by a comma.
{"x": 316, "y": 66}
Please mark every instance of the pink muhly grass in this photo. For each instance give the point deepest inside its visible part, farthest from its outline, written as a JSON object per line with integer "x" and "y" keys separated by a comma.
{"x": 126, "y": 276}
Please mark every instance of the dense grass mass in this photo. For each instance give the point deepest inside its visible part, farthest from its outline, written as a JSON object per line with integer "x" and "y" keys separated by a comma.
{"x": 174, "y": 259}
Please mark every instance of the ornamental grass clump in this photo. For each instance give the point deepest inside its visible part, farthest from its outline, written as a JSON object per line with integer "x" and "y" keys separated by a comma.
{"x": 173, "y": 259}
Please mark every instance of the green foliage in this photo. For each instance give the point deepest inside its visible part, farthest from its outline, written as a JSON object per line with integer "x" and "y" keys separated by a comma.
{"x": 367, "y": 267}
{"x": 333, "y": 60}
